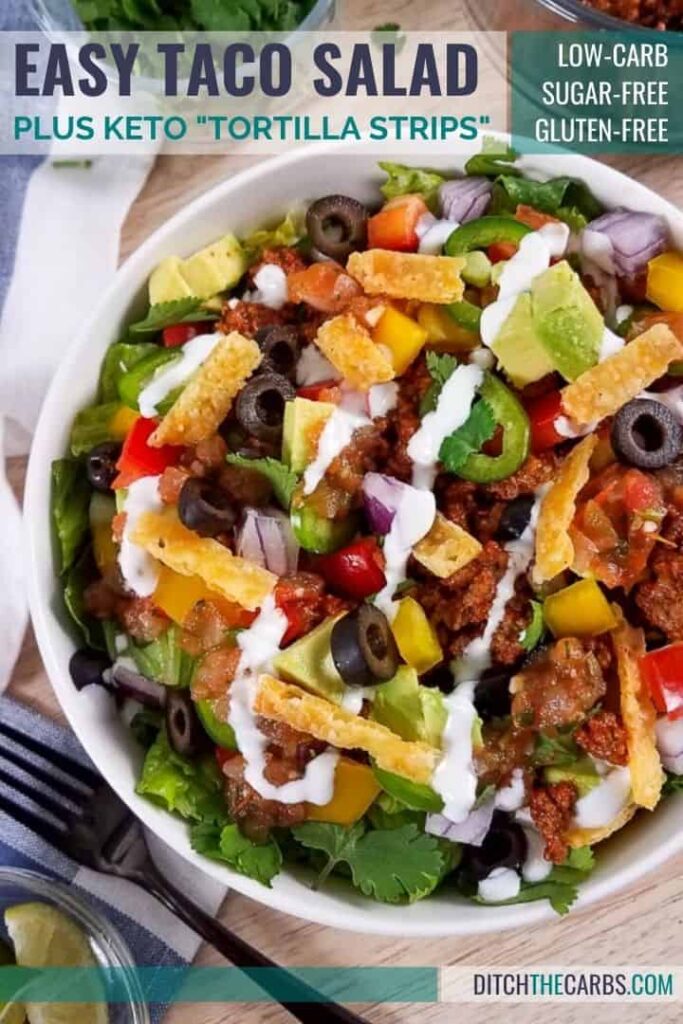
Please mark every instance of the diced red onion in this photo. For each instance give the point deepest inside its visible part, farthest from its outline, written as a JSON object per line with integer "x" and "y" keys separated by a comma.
{"x": 465, "y": 199}
{"x": 635, "y": 238}
{"x": 472, "y": 831}
{"x": 670, "y": 743}
{"x": 266, "y": 538}
{"x": 381, "y": 497}
{"x": 136, "y": 686}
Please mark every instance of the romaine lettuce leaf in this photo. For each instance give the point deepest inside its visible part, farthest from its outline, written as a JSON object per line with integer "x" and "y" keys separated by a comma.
{"x": 91, "y": 427}
{"x": 164, "y": 659}
{"x": 403, "y": 180}
{"x": 70, "y": 505}
{"x": 288, "y": 232}
{"x": 191, "y": 788}
{"x": 119, "y": 359}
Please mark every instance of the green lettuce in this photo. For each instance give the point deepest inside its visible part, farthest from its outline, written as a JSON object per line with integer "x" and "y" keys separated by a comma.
{"x": 76, "y": 579}
{"x": 191, "y": 788}
{"x": 119, "y": 359}
{"x": 164, "y": 659}
{"x": 560, "y": 888}
{"x": 403, "y": 180}
{"x": 70, "y": 502}
{"x": 495, "y": 158}
{"x": 92, "y": 427}
{"x": 288, "y": 232}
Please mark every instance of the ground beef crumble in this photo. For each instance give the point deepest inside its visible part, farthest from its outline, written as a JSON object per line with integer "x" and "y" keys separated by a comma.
{"x": 603, "y": 736}
{"x": 559, "y": 686}
{"x": 551, "y": 810}
{"x": 658, "y": 14}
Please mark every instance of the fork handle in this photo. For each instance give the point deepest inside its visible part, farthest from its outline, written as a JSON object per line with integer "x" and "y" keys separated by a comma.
{"x": 308, "y": 1006}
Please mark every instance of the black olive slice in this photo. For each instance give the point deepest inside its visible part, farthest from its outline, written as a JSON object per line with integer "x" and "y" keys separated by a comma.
{"x": 87, "y": 667}
{"x": 492, "y": 697}
{"x": 205, "y": 508}
{"x": 515, "y": 518}
{"x": 363, "y": 647}
{"x": 505, "y": 846}
{"x": 646, "y": 434}
{"x": 183, "y": 728}
{"x": 337, "y": 225}
{"x": 280, "y": 347}
{"x": 260, "y": 406}
{"x": 100, "y": 465}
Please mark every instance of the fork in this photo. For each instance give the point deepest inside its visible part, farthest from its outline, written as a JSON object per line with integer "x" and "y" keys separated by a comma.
{"x": 77, "y": 812}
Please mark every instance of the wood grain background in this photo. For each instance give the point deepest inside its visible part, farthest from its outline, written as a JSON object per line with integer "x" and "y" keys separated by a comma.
{"x": 642, "y": 926}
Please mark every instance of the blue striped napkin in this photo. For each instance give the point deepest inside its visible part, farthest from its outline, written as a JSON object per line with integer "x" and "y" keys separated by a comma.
{"x": 153, "y": 935}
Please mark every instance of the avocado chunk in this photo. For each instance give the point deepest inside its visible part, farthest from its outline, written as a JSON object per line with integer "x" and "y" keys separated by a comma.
{"x": 308, "y": 663}
{"x": 412, "y": 711}
{"x": 303, "y": 424}
{"x": 317, "y": 534}
{"x": 211, "y": 270}
{"x": 222, "y": 733}
{"x": 518, "y": 347}
{"x": 582, "y": 773}
{"x": 566, "y": 319}
{"x": 167, "y": 283}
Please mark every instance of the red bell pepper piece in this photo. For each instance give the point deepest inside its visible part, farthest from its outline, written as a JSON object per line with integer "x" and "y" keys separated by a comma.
{"x": 325, "y": 391}
{"x": 500, "y": 251}
{"x": 533, "y": 218}
{"x": 138, "y": 458}
{"x": 542, "y": 413}
{"x": 662, "y": 671}
{"x": 394, "y": 226}
{"x": 641, "y": 492}
{"x": 357, "y": 570}
{"x": 178, "y": 334}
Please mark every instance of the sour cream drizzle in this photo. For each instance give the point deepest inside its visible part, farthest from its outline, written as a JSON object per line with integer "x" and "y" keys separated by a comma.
{"x": 259, "y": 644}
{"x": 313, "y": 367}
{"x": 501, "y": 884}
{"x": 536, "y": 250}
{"x": 476, "y": 657}
{"x": 174, "y": 375}
{"x": 139, "y": 570}
{"x": 271, "y": 287}
{"x": 604, "y": 802}
{"x": 335, "y": 436}
{"x": 413, "y": 519}
{"x": 454, "y": 778}
{"x": 433, "y": 233}
{"x": 535, "y": 867}
{"x": 452, "y": 409}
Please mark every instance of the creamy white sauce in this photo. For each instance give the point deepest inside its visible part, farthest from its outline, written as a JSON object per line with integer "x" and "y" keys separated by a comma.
{"x": 501, "y": 884}
{"x": 536, "y": 250}
{"x": 535, "y": 867}
{"x": 454, "y": 778}
{"x": 670, "y": 743}
{"x": 139, "y": 570}
{"x": 672, "y": 399}
{"x": 476, "y": 657}
{"x": 611, "y": 344}
{"x": 452, "y": 409}
{"x": 313, "y": 367}
{"x": 597, "y": 249}
{"x": 437, "y": 233}
{"x": 353, "y": 698}
{"x": 511, "y": 797}
{"x": 566, "y": 427}
{"x": 605, "y": 801}
{"x": 335, "y": 436}
{"x": 382, "y": 398}
{"x": 413, "y": 519}
{"x": 271, "y": 287}
{"x": 483, "y": 358}
{"x": 622, "y": 314}
{"x": 176, "y": 374}
{"x": 259, "y": 644}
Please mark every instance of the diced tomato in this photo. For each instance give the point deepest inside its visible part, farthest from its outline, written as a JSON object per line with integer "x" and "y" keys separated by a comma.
{"x": 662, "y": 671}
{"x": 325, "y": 391}
{"x": 138, "y": 458}
{"x": 356, "y": 570}
{"x": 222, "y": 755}
{"x": 533, "y": 218}
{"x": 394, "y": 227}
{"x": 641, "y": 492}
{"x": 500, "y": 251}
{"x": 543, "y": 413}
{"x": 178, "y": 334}
{"x": 324, "y": 286}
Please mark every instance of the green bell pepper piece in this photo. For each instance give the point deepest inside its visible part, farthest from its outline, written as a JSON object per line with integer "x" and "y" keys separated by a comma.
{"x": 317, "y": 534}
{"x": 222, "y": 733}
{"x": 483, "y": 232}
{"x": 415, "y": 795}
{"x": 466, "y": 314}
{"x": 510, "y": 415}
{"x": 138, "y": 377}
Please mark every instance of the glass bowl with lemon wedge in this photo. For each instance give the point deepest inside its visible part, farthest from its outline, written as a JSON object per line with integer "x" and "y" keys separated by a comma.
{"x": 48, "y": 925}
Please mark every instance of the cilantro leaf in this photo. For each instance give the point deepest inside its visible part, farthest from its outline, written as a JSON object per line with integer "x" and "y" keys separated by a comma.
{"x": 282, "y": 478}
{"x": 440, "y": 366}
{"x": 560, "y": 888}
{"x": 532, "y": 635}
{"x": 403, "y": 180}
{"x": 336, "y": 841}
{"x": 557, "y": 749}
{"x": 261, "y": 861}
{"x": 479, "y": 427}
{"x": 673, "y": 784}
{"x": 166, "y": 314}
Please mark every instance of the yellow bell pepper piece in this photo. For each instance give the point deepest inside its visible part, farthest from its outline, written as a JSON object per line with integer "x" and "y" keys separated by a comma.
{"x": 104, "y": 547}
{"x": 442, "y": 331}
{"x": 665, "y": 281}
{"x": 355, "y": 788}
{"x": 121, "y": 422}
{"x": 415, "y": 636}
{"x": 402, "y": 336}
{"x": 578, "y": 610}
{"x": 177, "y": 595}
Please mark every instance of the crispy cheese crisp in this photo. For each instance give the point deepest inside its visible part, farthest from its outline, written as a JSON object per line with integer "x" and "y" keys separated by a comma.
{"x": 164, "y": 537}
{"x": 351, "y": 350}
{"x": 446, "y": 548}
{"x": 554, "y": 548}
{"x": 206, "y": 400}
{"x": 638, "y": 714}
{"x": 408, "y": 275}
{"x": 590, "y": 836}
{"x": 602, "y": 390}
{"x": 337, "y": 726}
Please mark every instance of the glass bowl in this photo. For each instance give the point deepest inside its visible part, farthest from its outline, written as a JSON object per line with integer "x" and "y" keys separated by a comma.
{"x": 543, "y": 16}
{"x": 108, "y": 948}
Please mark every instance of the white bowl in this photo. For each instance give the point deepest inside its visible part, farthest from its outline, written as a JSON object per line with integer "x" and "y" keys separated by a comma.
{"x": 239, "y": 204}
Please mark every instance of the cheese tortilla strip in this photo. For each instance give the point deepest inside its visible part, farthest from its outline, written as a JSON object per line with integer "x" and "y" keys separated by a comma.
{"x": 590, "y": 836}
{"x": 602, "y": 390}
{"x": 165, "y": 538}
{"x": 554, "y": 548}
{"x": 340, "y": 728}
{"x": 351, "y": 350}
{"x": 408, "y": 275}
{"x": 446, "y": 548}
{"x": 207, "y": 397}
{"x": 638, "y": 714}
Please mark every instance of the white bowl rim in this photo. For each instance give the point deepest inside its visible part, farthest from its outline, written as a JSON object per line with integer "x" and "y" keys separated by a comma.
{"x": 354, "y": 917}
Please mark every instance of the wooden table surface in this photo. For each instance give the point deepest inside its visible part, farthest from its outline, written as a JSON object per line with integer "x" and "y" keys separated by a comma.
{"x": 642, "y": 926}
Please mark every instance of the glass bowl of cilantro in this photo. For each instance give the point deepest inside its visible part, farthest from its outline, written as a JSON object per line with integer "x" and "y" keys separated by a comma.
{"x": 182, "y": 15}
